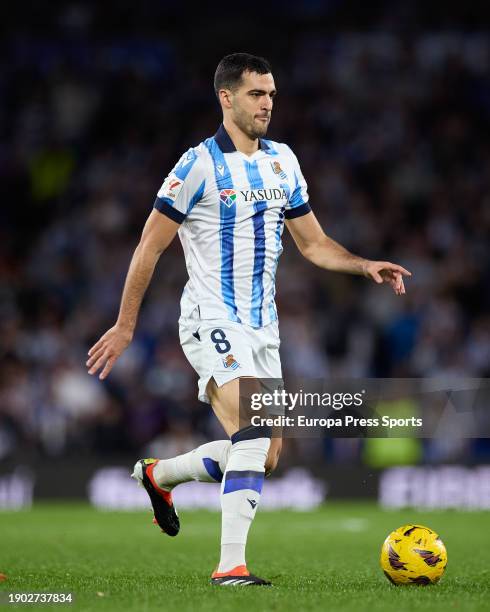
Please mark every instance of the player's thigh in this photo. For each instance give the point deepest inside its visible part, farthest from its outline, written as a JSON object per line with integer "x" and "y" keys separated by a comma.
{"x": 225, "y": 400}
{"x": 225, "y": 403}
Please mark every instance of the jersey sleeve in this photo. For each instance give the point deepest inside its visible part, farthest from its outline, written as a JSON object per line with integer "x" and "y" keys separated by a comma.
{"x": 297, "y": 205}
{"x": 183, "y": 187}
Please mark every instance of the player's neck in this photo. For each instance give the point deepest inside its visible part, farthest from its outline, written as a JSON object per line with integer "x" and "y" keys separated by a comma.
{"x": 242, "y": 142}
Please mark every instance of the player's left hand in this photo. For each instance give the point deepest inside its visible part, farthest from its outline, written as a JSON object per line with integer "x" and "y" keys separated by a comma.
{"x": 386, "y": 272}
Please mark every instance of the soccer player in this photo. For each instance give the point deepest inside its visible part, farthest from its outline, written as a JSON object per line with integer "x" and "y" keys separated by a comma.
{"x": 228, "y": 199}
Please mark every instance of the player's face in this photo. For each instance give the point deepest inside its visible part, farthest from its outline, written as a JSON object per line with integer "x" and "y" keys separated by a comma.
{"x": 251, "y": 103}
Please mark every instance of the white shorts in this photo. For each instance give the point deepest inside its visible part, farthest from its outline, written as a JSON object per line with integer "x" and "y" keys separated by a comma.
{"x": 224, "y": 350}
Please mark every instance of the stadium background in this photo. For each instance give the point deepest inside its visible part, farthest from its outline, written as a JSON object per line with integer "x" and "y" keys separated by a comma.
{"x": 387, "y": 106}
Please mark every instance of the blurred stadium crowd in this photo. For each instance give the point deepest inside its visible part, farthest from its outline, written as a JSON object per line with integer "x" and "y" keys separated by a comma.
{"x": 392, "y": 133}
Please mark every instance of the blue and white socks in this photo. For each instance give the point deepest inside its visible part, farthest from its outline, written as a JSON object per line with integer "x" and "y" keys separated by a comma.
{"x": 206, "y": 463}
{"x": 240, "y": 492}
{"x": 239, "y": 466}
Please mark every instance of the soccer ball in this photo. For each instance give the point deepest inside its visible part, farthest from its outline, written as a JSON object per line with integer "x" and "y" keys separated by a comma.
{"x": 413, "y": 554}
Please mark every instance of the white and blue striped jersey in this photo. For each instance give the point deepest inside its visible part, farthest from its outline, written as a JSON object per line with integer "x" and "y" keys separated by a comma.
{"x": 231, "y": 208}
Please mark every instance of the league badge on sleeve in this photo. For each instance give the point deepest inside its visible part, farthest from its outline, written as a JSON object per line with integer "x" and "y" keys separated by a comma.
{"x": 171, "y": 187}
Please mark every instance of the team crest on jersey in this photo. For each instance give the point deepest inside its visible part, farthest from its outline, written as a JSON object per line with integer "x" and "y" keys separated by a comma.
{"x": 276, "y": 168}
{"x": 228, "y": 197}
{"x": 230, "y": 362}
{"x": 171, "y": 187}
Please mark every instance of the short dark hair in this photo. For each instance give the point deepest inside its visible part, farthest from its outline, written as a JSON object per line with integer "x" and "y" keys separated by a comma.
{"x": 229, "y": 72}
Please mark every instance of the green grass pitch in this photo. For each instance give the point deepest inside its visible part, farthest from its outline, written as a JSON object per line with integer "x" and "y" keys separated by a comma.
{"x": 327, "y": 559}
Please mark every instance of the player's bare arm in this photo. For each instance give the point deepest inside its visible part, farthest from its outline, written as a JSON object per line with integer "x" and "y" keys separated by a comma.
{"x": 158, "y": 233}
{"x": 324, "y": 252}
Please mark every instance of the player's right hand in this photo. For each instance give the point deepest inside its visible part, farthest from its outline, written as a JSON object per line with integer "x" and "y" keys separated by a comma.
{"x": 107, "y": 350}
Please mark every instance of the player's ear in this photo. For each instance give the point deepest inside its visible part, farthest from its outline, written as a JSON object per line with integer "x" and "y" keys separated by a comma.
{"x": 225, "y": 98}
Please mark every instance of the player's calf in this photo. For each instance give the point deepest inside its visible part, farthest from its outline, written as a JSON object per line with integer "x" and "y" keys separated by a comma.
{"x": 240, "y": 493}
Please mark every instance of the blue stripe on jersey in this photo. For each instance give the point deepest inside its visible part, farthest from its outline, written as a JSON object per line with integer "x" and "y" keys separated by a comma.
{"x": 256, "y": 182}
{"x": 184, "y": 167}
{"x": 280, "y": 221}
{"x": 296, "y": 199}
{"x": 272, "y": 309}
{"x": 196, "y": 197}
{"x": 227, "y": 225}
{"x": 270, "y": 147}
{"x": 279, "y": 224}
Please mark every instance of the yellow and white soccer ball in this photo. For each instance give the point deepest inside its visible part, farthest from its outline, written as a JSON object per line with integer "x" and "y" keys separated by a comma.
{"x": 413, "y": 554}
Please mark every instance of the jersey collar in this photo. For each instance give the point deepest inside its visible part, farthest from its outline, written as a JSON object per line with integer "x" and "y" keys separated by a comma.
{"x": 225, "y": 143}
